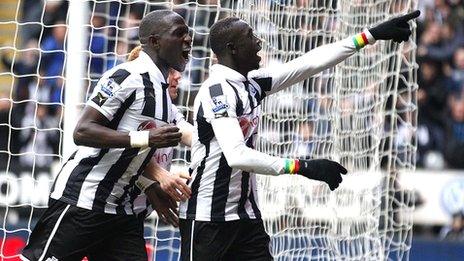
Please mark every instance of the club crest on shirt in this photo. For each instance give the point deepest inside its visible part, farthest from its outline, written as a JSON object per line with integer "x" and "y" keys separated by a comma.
{"x": 219, "y": 106}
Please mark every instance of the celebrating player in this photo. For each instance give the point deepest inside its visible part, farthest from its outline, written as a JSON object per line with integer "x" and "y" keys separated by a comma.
{"x": 158, "y": 169}
{"x": 221, "y": 220}
{"x": 90, "y": 212}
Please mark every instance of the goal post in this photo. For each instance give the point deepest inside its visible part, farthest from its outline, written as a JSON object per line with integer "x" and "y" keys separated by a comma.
{"x": 361, "y": 113}
{"x": 75, "y": 64}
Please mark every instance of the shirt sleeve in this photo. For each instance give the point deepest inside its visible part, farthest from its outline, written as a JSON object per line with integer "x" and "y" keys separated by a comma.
{"x": 230, "y": 138}
{"x": 108, "y": 96}
{"x": 276, "y": 78}
{"x": 176, "y": 115}
{"x": 220, "y": 101}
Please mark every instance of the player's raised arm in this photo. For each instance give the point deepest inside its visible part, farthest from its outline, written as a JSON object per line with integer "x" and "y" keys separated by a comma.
{"x": 326, "y": 56}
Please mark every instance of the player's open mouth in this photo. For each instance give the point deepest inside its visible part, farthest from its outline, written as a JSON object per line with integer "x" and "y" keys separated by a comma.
{"x": 185, "y": 54}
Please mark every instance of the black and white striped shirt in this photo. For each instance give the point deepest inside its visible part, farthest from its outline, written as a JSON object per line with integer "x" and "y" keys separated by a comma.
{"x": 226, "y": 115}
{"x": 103, "y": 179}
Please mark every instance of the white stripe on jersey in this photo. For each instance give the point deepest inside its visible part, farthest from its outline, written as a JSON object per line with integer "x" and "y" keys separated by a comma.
{"x": 223, "y": 94}
{"x": 126, "y": 95}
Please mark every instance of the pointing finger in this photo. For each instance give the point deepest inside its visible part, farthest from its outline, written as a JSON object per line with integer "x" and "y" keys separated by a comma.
{"x": 410, "y": 16}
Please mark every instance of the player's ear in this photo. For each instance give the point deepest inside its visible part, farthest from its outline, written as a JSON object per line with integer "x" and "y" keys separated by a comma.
{"x": 231, "y": 48}
{"x": 155, "y": 41}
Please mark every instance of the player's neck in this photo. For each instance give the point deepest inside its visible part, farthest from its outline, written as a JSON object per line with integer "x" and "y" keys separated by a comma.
{"x": 232, "y": 65}
{"x": 162, "y": 66}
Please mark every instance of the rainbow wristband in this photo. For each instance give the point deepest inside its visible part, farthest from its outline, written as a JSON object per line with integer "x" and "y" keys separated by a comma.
{"x": 360, "y": 40}
{"x": 291, "y": 166}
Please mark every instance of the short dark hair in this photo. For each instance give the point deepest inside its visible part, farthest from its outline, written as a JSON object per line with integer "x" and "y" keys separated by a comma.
{"x": 154, "y": 22}
{"x": 220, "y": 34}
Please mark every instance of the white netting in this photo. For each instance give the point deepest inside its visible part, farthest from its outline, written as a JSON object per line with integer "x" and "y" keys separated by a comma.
{"x": 362, "y": 113}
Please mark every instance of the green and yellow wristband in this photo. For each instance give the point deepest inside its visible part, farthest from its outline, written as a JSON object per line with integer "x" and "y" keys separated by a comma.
{"x": 292, "y": 166}
{"x": 360, "y": 40}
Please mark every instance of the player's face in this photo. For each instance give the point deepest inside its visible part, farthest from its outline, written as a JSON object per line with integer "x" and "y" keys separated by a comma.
{"x": 247, "y": 47}
{"x": 175, "y": 44}
{"x": 173, "y": 80}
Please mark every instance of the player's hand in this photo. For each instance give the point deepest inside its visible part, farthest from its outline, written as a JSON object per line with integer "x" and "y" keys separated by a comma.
{"x": 163, "y": 204}
{"x": 174, "y": 185}
{"x": 396, "y": 29}
{"x": 323, "y": 170}
{"x": 165, "y": 136}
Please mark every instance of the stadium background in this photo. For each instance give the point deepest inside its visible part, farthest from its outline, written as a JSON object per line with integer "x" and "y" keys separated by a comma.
{"x": 25, "y": 127}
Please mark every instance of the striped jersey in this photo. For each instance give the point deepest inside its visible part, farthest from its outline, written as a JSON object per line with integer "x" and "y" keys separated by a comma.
{"x": 219, "y": 192}
{"x": 103, "y": 179}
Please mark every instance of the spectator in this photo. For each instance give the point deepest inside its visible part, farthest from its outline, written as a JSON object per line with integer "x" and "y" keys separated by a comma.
{"x": 52, "y": 63}
{"x": 8, "y": 136}
{"x": 24, "y": 65}
{"x": 455, "y": 132}
{"x": 442, "y": 44}
{"x": 457, "y": 73}
{"x": 38, "y": 140}
{"x": 455, "y": 231}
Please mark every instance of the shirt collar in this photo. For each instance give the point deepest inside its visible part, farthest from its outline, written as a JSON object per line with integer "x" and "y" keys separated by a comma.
{"x": 227, "y": 72}
{"x": 148, "y": 63}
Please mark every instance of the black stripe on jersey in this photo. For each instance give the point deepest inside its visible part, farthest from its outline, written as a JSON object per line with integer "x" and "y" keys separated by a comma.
{"x": 106, "y": 185}
{"x": 70, "y": 158}
{"x": 149, "y": 92}
{"x": 243, "y": 196}
{"x": 239, "y": 105}
{"x": 130, "y": 189}
{"x": 119, "y": 76}
{"x": 205, "y": 130}
{"x": 220, "y": 190}
{"x": 164, "y": 87}
{"x": 114, "y": 123}
{"x": 265, "y": 84}
{"x": 253, "y": 203}
{"x": 80, "y": 172}
{"x": 250, "y": 99}
{"x": 192, "y": 203}
{"x": 205, "y": 135}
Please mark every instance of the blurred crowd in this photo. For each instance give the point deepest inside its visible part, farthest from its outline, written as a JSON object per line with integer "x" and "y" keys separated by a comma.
{"x": 440, "y": 55}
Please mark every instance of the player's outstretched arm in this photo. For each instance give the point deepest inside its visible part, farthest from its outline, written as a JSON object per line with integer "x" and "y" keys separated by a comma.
{"x": 326, "y": 56}
{"x": 91, "y": 131}
{"x": 230, "y": 138}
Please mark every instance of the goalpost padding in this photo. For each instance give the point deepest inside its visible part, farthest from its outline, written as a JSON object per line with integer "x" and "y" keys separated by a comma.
{"x": 361, "y": 112}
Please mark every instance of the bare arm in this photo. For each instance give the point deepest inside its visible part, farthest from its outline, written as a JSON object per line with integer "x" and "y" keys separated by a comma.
{"x": 93, "y": 124}
{"x": 92, "y": 131}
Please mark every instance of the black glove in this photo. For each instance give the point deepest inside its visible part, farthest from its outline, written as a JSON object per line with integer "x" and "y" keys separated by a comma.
{"x": 323, "y": 170}
{"x": 396, "y": 29}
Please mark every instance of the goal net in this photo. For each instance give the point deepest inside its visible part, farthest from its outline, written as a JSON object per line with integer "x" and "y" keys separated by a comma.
{"x": 361, "y": 112}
